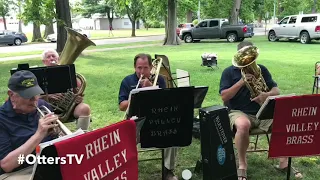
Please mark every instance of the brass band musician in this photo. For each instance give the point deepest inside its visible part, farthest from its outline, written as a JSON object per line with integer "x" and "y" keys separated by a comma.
{"x": 243, "y": 109}
{"x": 50, "y": 57}
{"x": 21, "y": 126}
{"x": 141, "y": 78}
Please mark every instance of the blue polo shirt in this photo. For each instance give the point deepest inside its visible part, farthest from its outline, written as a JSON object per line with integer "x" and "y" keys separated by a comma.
{"x": 130, "y": 82}
{"x": 241, "y": 101}
{"x": 16, "y": 129}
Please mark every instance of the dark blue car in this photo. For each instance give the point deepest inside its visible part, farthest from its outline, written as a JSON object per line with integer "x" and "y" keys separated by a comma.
{"x": 12, "y": 37}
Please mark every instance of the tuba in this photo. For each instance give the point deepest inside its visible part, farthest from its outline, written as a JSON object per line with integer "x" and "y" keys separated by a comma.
{"x": 245, "y": 59}
{"x": 75, "y": 44}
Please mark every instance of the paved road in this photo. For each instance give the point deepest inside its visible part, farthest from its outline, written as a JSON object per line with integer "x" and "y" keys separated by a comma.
{"x": 43, "y": 46}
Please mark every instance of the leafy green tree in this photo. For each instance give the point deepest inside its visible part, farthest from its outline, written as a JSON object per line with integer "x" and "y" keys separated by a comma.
{"x": 49, "y": 16}
{"x": 4, "y": 11}
{"x": 133, "y": 9}
{"x": 33, "y": 12}
{"x": 186, "y": 9}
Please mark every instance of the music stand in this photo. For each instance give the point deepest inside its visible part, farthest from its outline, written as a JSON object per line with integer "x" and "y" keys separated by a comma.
{"x": 169, "y": 117}
{"x": 52, "y": 79}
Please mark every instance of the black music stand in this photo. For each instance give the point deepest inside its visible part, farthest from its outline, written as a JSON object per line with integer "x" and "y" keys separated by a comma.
{"x": 169, "y": 117}
{"x": 316, "y": 77}
{"x": 52, "y": 79}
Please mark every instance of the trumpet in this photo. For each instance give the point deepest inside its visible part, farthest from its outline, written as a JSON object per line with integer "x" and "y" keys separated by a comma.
{"x": 63, "y": 128}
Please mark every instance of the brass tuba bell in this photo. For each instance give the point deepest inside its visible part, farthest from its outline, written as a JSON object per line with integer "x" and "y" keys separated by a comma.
{"x": 75, "y": 44}
{"x": 245, "y": 59}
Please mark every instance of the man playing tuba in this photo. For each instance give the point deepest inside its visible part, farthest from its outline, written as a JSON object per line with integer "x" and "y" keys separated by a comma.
{"x": 238, "y": 91}
{"x": 22, "y": 128}
{"x": 50, "y": 57}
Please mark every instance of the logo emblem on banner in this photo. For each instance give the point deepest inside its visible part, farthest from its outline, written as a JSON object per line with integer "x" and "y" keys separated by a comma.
{"x": 221, "y": 155}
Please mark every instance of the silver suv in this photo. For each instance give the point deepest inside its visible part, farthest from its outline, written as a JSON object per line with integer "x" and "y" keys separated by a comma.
{"x": 304, "y": 27}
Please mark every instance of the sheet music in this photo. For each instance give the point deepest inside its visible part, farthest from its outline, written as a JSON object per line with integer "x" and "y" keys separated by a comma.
{"x": 266, "y": 102}
{"x": 48, "y": 143}
{"x": 134, "y": 91}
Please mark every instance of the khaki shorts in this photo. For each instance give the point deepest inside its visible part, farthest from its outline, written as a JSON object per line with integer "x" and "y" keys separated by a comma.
{"x": 255, "y": 123}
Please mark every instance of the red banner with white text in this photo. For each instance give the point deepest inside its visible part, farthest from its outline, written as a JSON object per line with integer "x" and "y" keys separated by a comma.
{"x": 296, "y": 127}
{"x": 109, "y": 153}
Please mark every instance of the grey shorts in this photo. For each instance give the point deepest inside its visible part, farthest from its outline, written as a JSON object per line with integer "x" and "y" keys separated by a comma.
{"x": 255, "y": 123}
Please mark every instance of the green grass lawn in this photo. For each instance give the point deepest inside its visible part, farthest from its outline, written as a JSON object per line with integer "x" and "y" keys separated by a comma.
{"x": 104, "y": 34}
{"x": 4, "y": 55}
{"x": 291, "y": 65}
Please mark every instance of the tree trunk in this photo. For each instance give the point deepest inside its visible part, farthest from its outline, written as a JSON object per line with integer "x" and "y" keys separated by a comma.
{"x": 20, "y": 21}
{"x": 314, "y": 8}
{"x": 36, "y": 33}
{"x": 189, "y": 16}
{"x": 165, "y": 28}
{"x": 110, "y": 17}
{"x": 172, "y": 38}
{"x": 63, "y": 20}
{"x": 133, "y": 27}
{"x": 235, "y": 12}
{"x": 4, "y": 22}
{"x": 48, "y": 30}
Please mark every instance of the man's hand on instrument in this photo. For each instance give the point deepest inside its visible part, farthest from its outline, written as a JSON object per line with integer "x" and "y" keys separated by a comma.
{"x": 79, "y": 99}
{"x": 46, "y": 124}
{"x": 56, "y": 96}
{"x": 145, "y": 82}
{"x": 261, "y": 98}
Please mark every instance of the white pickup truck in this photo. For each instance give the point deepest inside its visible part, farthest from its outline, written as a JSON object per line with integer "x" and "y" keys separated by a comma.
{"x": 305, "y": 27}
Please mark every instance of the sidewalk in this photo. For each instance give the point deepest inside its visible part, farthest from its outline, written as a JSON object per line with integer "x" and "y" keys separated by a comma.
{"x": 85, "y": 51}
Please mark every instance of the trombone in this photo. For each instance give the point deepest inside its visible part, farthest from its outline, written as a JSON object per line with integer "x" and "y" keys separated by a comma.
{"x": 63, "y": 128}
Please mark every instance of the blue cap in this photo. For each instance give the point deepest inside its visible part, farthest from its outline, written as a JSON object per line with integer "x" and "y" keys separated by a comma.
{"x": 25, "y": 83}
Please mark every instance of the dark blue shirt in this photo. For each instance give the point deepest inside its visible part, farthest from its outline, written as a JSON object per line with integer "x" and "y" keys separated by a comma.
{"x": 130, "y": 82}
{"x": 16, "y": 129}
{"x": 241, "y": 101}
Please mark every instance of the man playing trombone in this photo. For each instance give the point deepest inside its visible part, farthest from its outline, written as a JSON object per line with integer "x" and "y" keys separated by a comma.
{"x": 22, "y": 128}
{"x": 142, "y": 78}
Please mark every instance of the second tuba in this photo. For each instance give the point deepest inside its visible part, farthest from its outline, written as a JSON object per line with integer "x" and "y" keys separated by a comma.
{"x": 75, "y": 44}
{"x": 245, "y": 59}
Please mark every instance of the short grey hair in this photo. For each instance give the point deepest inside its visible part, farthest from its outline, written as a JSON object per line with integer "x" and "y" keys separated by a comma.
{"x": 44, "y": 53}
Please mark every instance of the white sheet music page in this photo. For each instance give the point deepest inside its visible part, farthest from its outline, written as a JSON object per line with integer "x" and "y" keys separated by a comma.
{"x": 266, "y": 102}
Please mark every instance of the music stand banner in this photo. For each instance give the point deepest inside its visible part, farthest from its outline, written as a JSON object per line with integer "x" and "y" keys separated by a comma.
{"x": 296, "y": 127}
{"x": 109, "y": 153}
{"x": 169, "y": 117}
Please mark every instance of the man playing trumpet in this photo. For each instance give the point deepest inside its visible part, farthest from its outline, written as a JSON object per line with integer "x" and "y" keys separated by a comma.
{"x": 22, "y": 128}
{"x": 141, "y": 78}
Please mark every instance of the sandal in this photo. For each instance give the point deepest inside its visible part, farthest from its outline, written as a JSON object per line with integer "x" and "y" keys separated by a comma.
{"x": 242, "y": 174}
{"x": 296, "y": 173}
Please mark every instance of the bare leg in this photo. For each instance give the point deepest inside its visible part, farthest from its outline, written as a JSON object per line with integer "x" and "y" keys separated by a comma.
{"x": 242, "y": 139}
{"x": 81, "y": 109}
{"x": 283, "y": 163}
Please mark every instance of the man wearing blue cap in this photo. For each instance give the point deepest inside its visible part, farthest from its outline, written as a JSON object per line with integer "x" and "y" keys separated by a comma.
{"x": 21, "y": 127}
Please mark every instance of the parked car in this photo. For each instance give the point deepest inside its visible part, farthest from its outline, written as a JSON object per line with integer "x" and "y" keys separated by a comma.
{"x": 53, "y": 37}
{"x": 304, "y": 27}
{"x": 182, "y": 26}
{"x": 216, "y": 29}
{"x": 12, "y": 37}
